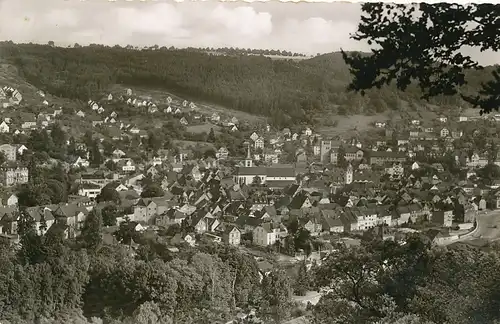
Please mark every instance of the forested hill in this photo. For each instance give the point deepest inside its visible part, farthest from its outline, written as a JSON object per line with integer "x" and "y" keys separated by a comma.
{"x": 286, "y": 90}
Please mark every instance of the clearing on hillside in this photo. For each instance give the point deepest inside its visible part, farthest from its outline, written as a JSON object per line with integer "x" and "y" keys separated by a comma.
{"x": 206, "y": 108}
{"x": 203, "y": 128}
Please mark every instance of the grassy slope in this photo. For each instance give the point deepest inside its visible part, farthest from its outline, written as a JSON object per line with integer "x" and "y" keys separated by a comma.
{"x": 330, "y": 66}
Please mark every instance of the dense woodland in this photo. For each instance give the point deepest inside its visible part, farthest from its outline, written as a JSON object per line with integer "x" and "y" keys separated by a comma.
{"x": 51, "y": 280}
{"x": 288, "y": 91}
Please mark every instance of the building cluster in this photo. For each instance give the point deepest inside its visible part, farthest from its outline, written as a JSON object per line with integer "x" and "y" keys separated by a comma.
{"x": 326, "y": 185}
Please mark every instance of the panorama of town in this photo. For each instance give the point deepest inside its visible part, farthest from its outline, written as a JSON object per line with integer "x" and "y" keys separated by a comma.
{"x": 272, "y": 193}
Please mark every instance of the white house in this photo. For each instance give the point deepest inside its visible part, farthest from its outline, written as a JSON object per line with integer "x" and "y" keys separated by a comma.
{"x": 259, "y": 143}
{"x": 268, "y": 234}
{"x": 80, "y": 162}
{"x": 254, "y": 136}
{"x": 89, "y": 190}
{"x": 444, "y": 132}
{"x": 4, "y": 127}
{"x": 10, "y": 200}
{"x": 128, "y": 166}
{"x": 21, "y": 149}
{"x": 215, "y": 118}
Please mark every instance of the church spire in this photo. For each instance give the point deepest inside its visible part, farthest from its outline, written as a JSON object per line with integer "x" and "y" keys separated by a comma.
{"x": 249, "y": 160}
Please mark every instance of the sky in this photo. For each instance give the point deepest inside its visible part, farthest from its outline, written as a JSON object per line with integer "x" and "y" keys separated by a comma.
{"x": 307, "y": 28}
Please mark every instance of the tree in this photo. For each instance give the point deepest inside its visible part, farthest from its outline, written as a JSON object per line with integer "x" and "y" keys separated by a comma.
{"x": 3, "y": 158}
{"x": 256, "y": 180}
{"x": 58, "y": 136}
{"x": 211, "y": 136}
{"x": 420, "y": 42}
{"x": 152, "y": 190}
{"x": 95, "y": 155}
{"x": 302, "y": 283}
{"x": 341, "y": 161}
{"x": 109, "y": 215}
{"x": 154, "y": 142}
{"x": 277, "y": 293}
{"x": 31, "y": 244}
{"x": 91, "y": 231}
{"x": 111, "y": 165}
{"x": 109, "y": 194}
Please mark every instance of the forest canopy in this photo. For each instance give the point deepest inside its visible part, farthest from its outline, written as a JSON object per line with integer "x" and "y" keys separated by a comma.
{"x": 422, "y": 44}
{"x": 286, "y": 90}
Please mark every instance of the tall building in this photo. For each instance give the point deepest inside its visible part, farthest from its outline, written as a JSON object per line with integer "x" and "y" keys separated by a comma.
{"x": 349, "y": 174}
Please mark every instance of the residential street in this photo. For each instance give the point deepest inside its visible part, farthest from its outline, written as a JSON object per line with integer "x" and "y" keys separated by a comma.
{"x": 488, "y": 226}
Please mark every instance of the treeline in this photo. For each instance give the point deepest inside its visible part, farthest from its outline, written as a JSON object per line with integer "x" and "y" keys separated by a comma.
{"x": 52, "y": 280}
{"x": 383, "y": 282}
{"x": 288, "y": 91}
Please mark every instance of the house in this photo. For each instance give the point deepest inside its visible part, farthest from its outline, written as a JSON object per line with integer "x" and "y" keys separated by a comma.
{"x": 331, "y": 222}
{"x": 254, "y": 136}
{"x": 184, "y": 121}
{"x": 80, "y": 114}
{"x": 268, "y": 234}
{"x": 4, "y": 127}
{"x": 110, "y": 97}
{"x": 9, "y": 200}
{"x": 134, "y": 130}
{"x": 14, "y": 176}
{"x": 126, "y": 165}
{"x": 308, "y": 132}
{"x": 93, "y": 105}
{"x": 442, "y": 217}
{"x": 230, "y": 234}
{"x": 28, "y": 121}
{"x": 118, "y": 153}
{"x": 444, "y": 132}
{"x": 147, "y": 209}
{"x": 222, "y": 153}
{"x": 215, "y": 118}
{"x": 10, "y": 152}
{"x": 259, "y": 143}
{"x": 89, "y": 190}
{"x": 383, "y": 157}
{"x": 81, "y": 162}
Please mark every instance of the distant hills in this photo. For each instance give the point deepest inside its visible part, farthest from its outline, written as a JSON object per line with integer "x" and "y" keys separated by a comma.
{"x": 289, "y": 91}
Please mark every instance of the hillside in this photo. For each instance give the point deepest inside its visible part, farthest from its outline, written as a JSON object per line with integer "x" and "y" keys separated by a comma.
{"x": 288, "y": 91}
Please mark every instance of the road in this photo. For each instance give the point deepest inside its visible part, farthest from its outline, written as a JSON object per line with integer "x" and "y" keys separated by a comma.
{"x": 488, "y": 226}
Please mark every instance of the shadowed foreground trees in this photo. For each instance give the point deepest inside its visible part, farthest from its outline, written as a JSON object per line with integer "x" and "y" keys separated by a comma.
{"x": 420, "y": 44}
{"x": 385, "y": 282}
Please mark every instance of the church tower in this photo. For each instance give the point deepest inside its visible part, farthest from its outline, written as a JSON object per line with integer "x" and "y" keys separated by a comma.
{"x": 248, "y": 160}
{"x": 349, "y": 174}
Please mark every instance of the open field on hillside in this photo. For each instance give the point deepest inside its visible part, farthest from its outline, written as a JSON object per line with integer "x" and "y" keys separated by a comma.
{"x": 203, "y": 128}
{"x": 9, "y": 76}
{"x": 191, "y": 144}
{"x": 207, "y": 108}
